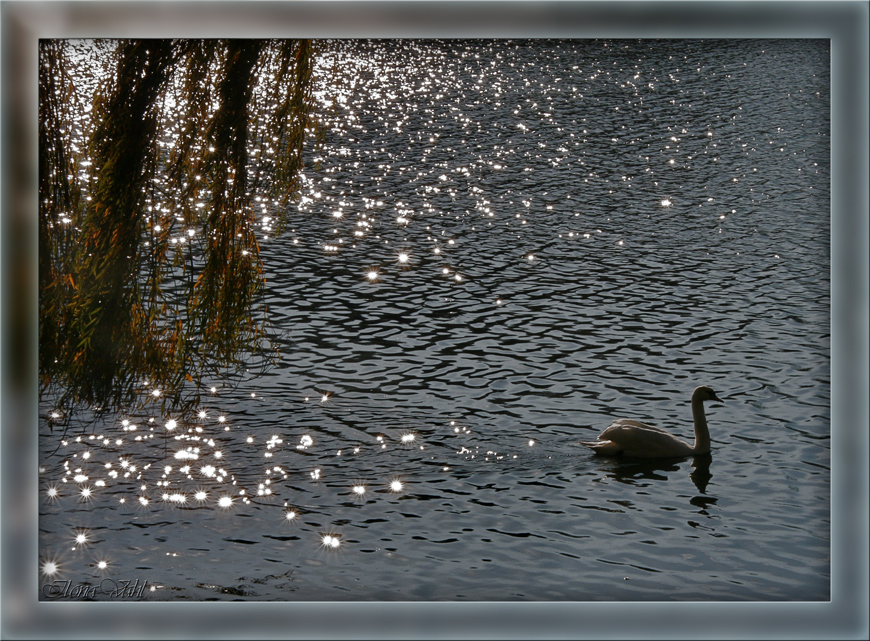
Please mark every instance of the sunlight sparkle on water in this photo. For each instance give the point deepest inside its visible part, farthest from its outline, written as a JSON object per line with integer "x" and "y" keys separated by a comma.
{"x": 396, "y": 485}
{"x": 330, "y": 541}
{"x": 305, "y": 442}
{"x": 50, "y": 568}
{"x": 225, "y": 502}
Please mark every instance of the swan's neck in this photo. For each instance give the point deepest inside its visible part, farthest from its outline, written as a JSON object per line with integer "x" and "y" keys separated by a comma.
{"x": 702, "y": 434}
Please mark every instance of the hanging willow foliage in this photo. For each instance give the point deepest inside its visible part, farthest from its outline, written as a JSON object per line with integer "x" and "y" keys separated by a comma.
{"x": 150, "y": 273}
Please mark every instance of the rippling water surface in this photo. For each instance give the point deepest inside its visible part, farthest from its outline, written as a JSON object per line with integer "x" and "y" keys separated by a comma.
{"x": 505, "y": 245}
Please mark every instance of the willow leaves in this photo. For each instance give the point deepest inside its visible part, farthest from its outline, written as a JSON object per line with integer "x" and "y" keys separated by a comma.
{"x": 150, "y": 269}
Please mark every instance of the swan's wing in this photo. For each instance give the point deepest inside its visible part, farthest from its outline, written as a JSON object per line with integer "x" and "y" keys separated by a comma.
{"x": 633, "y": 438}
{"x": 640, "y": 440}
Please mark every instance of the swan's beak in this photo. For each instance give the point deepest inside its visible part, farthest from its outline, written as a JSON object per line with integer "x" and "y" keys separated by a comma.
{"x": 716, "y": 398}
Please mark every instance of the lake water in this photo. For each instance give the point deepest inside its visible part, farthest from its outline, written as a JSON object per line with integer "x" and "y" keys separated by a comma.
{"x": 563, "y": 233}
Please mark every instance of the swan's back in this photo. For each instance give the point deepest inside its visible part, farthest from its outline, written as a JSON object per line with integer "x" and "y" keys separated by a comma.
{"x": 630, "y": 422}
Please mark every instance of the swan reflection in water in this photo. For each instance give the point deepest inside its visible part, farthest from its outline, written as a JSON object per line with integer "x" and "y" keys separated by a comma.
{"x": 630, "y": 471}
{"x": 701, "y": 472}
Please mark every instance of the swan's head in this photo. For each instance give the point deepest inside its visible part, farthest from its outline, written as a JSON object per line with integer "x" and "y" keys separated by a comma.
{"x": 705, "y": 393}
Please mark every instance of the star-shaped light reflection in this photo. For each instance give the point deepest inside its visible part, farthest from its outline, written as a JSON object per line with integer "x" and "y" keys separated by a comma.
{"x": 81, "y": 537}
{"x": 50, "y": 567}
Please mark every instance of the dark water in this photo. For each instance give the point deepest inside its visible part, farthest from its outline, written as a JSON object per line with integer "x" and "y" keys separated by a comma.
{"x": 627, "y": 219}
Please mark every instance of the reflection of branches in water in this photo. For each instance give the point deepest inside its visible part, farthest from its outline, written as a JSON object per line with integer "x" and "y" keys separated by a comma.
{"x": 150, "y": 274}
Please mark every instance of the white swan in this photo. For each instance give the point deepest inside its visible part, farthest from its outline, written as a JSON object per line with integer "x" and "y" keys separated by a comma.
{"x": 638, "y": 440}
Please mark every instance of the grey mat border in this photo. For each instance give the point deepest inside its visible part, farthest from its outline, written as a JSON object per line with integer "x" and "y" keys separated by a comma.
{"x": 844, "y": 617}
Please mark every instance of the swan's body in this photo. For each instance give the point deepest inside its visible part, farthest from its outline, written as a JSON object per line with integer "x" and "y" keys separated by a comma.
{"x": 638, "y": 440}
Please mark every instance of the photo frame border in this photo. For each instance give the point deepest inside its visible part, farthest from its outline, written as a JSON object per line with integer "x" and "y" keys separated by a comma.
{"x": 844, "y": 23}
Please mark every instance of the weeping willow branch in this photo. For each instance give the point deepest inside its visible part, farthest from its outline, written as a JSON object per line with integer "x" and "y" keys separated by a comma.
{"x": 59, "y": 205}
{"x": 231, "y": 276}
{"x": 110, "y": 338}
{"x": 159, "y": 284}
